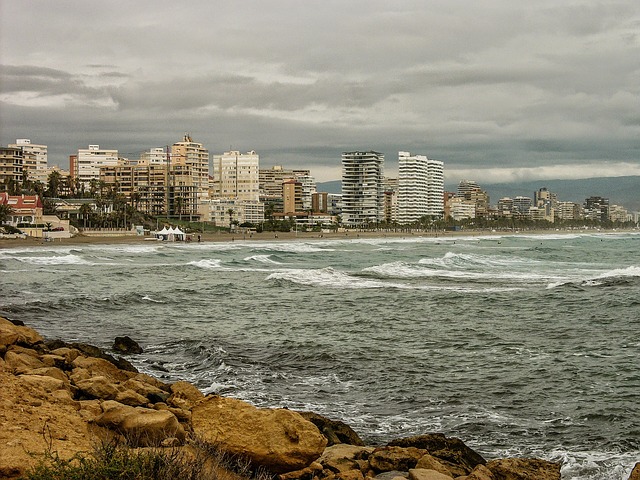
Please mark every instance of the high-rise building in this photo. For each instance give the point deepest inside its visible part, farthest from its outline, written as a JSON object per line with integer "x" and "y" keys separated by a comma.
{"x": 89, "y": 161}
{"x": 362, "y": 188}
{"x": 35, "y": 159}
{"x": 11, "y": 162}
{"x": 271, "y": 181}
{"x": 596, "y": 208}
{"x": 292, "y": 197}
{"x": 236, "y": 176}
{"x": 420, "y": 187}
{"x": 193, "y": 158}
{"x": 155, "y": 156}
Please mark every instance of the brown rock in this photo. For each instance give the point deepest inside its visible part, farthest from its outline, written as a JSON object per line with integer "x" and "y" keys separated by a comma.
{"x": 480, "y": 473}
{"x": 11, "y": 334}
{"x": 50, "y": 372}
{"x": 42, "y": 383}
{"x": 342, "y": 457}
{"x": 131, "y": 398}
{"x": 20, "y": 362}
{"x": 277, "y": 439}
{"x": 98, "y": 387}
{"x": 184, "y": 395}
{"x": 350, "y": 475}
{"x": 524, "y": 469}
{"x": 635, "y": 473}
{"x": 305, "y": 474}
{"x": 151, "y": 392}
{"x": 385, "y": 459}
{"x": 101, "y": 367}
{"x": 431, "y": 463}
{"x": 334, "y": 430}
{"x": 450, "y": 451}
{"x": 142, "y": 427}
{"x": 427, "y": 474}
{"x": 69, "y": 354}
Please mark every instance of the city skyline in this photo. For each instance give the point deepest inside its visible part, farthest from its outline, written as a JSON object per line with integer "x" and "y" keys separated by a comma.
{"x": 497, "y": 90}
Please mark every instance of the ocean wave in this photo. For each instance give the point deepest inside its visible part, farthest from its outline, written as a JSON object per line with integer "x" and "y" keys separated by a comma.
{"x": 464, "y": 260}
{"x": 404, "y": 270}
{"x": 617, "y": 276}
{"x": 69, "y": 259}
{"x": 207, "y": 263}
{"x": 261, "y": 259}
{"x": 327, "y": 277}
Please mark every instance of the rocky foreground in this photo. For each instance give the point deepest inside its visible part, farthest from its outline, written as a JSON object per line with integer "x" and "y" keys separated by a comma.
{"x": 64, "y": 398}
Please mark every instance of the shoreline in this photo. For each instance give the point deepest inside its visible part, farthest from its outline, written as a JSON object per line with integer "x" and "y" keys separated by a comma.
{"x": 224, "y": 237}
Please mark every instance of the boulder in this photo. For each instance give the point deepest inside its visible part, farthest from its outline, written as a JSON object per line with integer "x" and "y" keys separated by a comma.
{"x": 93, "y": 351}
{"x": 131, "y": 398}
{"x": 480, "y": 473}
{"x": 184, "y": 395}
{"x": 141, "y": 427}
{"x": 334, "y": 430}
{"x": 277, "y": 439}
{"x": 12, "y": 334}
{"x": 431, "y": 463}
{"x": 126, "y": 345}
{"x": 524, "y": 469}
{"x": 20, "y": 362}
{"x": 451, "y": 451}
{"x": 635, "y": 473}
{"x": 392, "y": 475}
{"x": 43, "y": 384}
{"x": 427, "y": 474}
{"x": 350, "y": 475}
{"x": 151, "y": 392}
{"x": 101, "y": 367}
{"x": 385, "y": 459}
{"x": 305, "y": 474}
{"x": 98, "y": 387}
{"x": 342, "y": 457}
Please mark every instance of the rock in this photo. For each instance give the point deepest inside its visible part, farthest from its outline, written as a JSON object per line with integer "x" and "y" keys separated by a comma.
{"x": 57, "y": 361}
{"x": 131, "y": 398}
{"x": 11, "y": 334}
{"x": 350, "y": 475}
{"x": 451, "y": 451}
{"x": 96, "y": 352}
{"x": 69, "y": 354}
{"x": 385, "y": 459}
{"x": 480, "y": 473}
{"x": 19, "y": 362}
{"x": 151, "y": 392}
{"x": 184, "y": 395}
{"x": 334, "y": 430}
{"x": 393, "y": 474}
{"x": 305, "y": 474}
{"x": 427, "y": 474}
{"x": 126, "y": 345}
{"x": 431, "y": 463}
{"x": 277, "y": 439}
{"x": 101, "y": 367}
{"x": 342, "y": 457}
{"x": 43, "y": 383}
{"x": 524, "y": 469}
{"x": 635, "y": 473}
{"x": 50, "y": 372}
{"x": 141, "y": 427}
{"x": 98, "y": 387}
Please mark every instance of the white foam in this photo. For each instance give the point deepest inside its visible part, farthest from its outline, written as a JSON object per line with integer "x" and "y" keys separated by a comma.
{"x": 327, "y": 277}
{"x": 206, "y": 263}
{"x": 262, "y": 259}
{"x": 69, "y": 259}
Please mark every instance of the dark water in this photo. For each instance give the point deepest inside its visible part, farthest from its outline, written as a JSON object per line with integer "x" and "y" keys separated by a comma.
{"x": 519, "y": 345}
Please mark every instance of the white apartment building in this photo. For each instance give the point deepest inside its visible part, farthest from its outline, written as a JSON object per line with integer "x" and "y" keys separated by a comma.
{"x": 154, "y": 156}
{"x": 225, "y": 212}
{"x": 461, "y": 209}
{"x": 420, "y": 187}
{"x": 90, "y": 160}
{"x": 35, "y": 159}
{"x": 308, "y": 189}
{"x": 362, "y": 188}
{"x": 236, "y": 176}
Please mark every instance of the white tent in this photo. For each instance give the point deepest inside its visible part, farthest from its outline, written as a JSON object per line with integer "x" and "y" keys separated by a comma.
{"x": 164, "y": 233}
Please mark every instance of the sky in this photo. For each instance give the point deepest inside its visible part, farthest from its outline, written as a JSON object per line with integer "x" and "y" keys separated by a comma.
{"x": 499, "y": 90}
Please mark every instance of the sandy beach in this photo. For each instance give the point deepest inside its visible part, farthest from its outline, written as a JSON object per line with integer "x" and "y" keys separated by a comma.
{"x": 282, "y": 236}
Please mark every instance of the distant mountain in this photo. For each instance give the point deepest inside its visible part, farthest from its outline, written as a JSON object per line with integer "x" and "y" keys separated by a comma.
{"x": 623, "y": 191}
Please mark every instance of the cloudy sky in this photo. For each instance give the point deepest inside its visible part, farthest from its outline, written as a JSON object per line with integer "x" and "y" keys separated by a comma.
{"x": 497, "y": 89}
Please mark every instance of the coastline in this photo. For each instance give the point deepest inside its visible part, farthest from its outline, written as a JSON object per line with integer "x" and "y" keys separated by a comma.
{"x": 290, "y": 236}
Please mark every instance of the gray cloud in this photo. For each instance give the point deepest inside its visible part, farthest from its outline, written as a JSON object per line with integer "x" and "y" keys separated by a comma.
{"x": 482, "y": 86}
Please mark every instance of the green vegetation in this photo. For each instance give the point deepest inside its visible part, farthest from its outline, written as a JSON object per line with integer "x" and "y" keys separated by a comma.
{"x": 115, "y": 461}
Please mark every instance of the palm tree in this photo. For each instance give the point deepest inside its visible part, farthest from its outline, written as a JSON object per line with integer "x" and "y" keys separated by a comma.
{"x": 53, "y": 184}
{"x": 230, "y": 212}
{"x": 5, "y": 212}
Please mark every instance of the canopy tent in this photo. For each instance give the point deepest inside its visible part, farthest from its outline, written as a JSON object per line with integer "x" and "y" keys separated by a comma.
{"x": 171, "y": 234}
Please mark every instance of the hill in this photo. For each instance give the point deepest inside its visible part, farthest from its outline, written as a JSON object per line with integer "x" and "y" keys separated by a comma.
{"x": 623, "y": 191}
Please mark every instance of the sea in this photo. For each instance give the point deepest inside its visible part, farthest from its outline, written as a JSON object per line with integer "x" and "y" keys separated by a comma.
{"x": 520, "y": 345}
